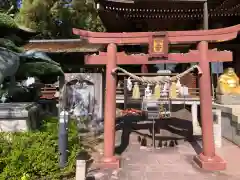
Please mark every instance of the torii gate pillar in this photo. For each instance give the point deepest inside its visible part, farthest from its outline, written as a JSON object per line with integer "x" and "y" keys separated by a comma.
{"x": 207, "y": 160}
{"x": 109, "y": 160}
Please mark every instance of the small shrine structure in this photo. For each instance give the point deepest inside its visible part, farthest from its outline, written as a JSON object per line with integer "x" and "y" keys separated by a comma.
{"x": 158, "y": 43}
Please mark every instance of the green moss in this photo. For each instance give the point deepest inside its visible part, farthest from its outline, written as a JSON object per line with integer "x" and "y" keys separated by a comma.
{"x": 37, "y": 69}
{"x": 6, "y": 43}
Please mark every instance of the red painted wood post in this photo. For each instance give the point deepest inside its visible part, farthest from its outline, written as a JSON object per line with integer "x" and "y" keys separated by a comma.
{"x": 109, "y": 160}
{"x": 207, "y": 159}
{"x": 206, "y": 102}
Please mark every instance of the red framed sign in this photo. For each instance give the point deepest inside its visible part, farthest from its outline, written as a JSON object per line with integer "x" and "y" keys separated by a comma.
{"x": 158, "y": 45}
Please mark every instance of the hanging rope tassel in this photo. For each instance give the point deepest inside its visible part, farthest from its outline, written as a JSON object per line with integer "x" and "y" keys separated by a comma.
{"x": 173, "y": 90}
{"x": 129, "y": 84}
{"x": 178, "y": 86}
{"x": 157, "y": 91}
{"x": 136, "y": 91}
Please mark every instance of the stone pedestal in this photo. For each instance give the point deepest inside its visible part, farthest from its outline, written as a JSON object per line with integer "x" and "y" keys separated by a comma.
{"x": 228, "y": 99}
{"x": 230, "y": 122}
{"x": 217, "y": 125}
{"x": 16, "y": 117}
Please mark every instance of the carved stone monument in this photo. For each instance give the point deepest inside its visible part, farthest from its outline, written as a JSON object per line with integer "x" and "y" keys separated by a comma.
{"x": 228, "y": 99}
{"x": 85, "y": 96}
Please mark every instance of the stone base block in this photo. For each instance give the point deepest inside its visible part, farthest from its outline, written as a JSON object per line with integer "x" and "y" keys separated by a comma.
{"x": 215, "y": 163}
{"x": 230, "y": 122}
{"x": 15, "y": 117}
{"x": 109, "y": 163}
{"x": 217, "y": 128}
{"x": 228, "y": 99}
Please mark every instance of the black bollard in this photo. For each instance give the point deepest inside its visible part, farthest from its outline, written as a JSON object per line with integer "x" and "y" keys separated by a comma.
{"x": 63, "y": 138}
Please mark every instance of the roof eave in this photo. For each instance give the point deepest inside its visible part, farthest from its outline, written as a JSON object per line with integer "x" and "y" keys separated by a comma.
{"x": 61, "y": 45}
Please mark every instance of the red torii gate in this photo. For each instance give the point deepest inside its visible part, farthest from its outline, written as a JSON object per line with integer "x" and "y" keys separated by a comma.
{"x": 207, "y": 159}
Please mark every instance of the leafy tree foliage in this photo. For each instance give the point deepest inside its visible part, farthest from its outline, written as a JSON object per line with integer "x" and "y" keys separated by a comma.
{"x": 56, "y": 18}
{"x": 6, "y": 4}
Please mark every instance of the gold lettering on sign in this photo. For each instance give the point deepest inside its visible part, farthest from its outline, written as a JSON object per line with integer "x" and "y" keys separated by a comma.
{"x": 158, "y": 45}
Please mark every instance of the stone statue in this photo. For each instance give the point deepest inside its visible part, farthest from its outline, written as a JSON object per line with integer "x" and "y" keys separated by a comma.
{"x": 228, "y": 83}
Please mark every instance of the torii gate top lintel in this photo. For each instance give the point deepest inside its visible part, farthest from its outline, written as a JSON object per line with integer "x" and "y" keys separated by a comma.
{"x": 160, "y": 41}
{"x": 213, "y": 35}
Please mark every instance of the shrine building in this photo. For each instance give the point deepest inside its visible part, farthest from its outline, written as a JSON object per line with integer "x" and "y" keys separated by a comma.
{"x": 171, "y": 15}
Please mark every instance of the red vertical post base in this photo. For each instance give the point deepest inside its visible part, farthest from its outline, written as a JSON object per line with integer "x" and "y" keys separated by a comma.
{"x": 207, "y": 160}
{"x": 214, "y": 163}
{"x": 110, "y": 163}
{"x": 109, "y": 160}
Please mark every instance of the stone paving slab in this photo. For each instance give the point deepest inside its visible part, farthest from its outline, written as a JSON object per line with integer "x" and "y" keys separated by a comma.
{"x": 169, "y": 163}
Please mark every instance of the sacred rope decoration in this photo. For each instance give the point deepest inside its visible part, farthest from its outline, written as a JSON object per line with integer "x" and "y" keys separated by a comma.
{"x": 158, "y": 81}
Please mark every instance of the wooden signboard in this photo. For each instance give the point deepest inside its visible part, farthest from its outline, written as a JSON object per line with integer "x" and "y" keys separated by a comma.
{"x": 158, "y": 45}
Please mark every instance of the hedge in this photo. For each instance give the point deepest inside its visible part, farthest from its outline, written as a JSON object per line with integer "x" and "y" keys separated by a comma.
{"x": 34, "y": 155}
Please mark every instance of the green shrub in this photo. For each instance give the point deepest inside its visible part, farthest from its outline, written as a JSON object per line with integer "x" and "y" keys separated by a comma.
{"x": 34, "y": 155}
{"x": 6, "y": 21}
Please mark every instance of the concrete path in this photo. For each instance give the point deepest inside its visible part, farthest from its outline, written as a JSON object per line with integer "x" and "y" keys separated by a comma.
{"x": 141, "y": 163}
